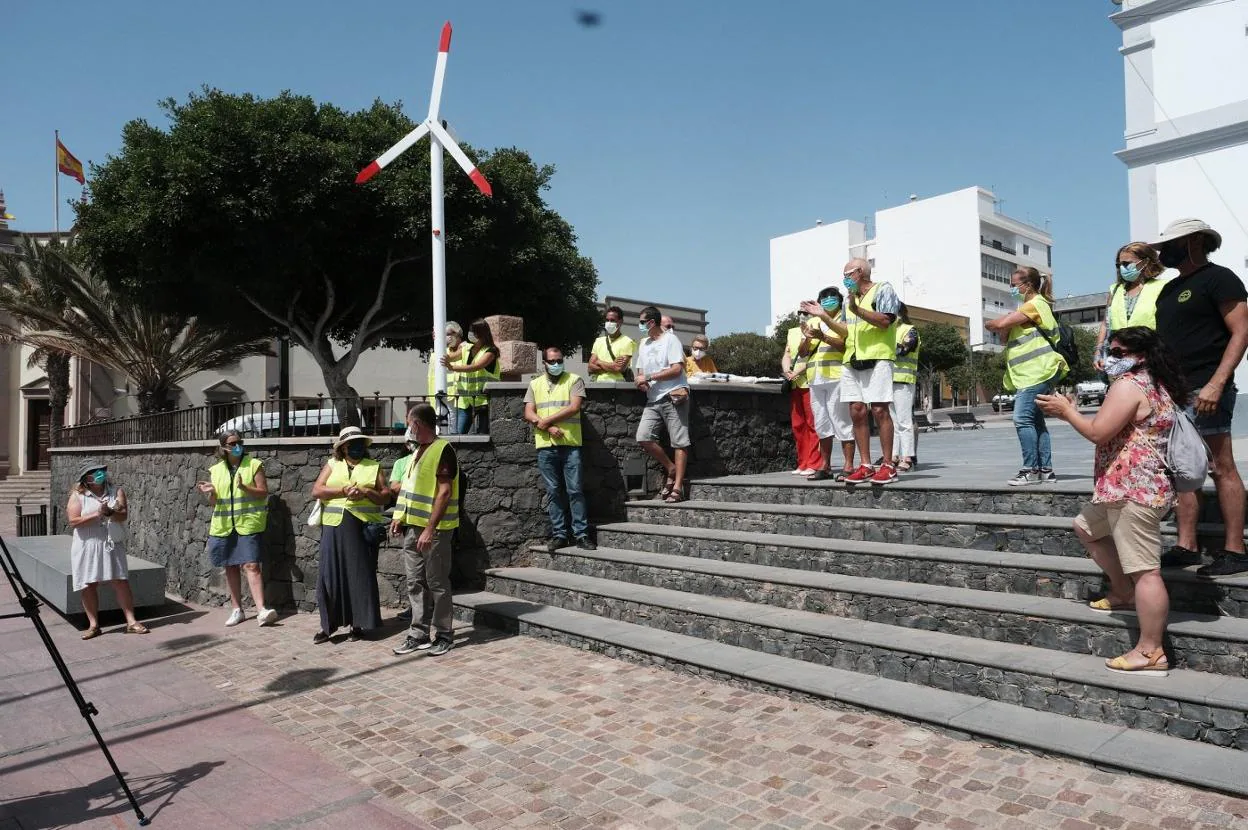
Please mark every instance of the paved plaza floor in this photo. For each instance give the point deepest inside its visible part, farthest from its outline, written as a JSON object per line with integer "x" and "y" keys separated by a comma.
{"x": 251, "y": 727}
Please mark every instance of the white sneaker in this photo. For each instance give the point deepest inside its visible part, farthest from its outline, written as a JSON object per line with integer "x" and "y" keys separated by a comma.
{"x": 798, "y": 472}
{"x": 267, "y": 616}
{"x": 236, "y": 617}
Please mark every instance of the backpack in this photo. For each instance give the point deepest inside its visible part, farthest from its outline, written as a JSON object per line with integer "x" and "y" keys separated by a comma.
{"x": 1187, "y": 455}
{"x": 1064, "y": 344}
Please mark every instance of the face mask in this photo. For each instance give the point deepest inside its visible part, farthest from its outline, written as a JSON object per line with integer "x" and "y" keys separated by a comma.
{"x": 611, "y": 326}
{"x": 554, "y": 369}
{"x": 409, "y": 437}
{"x": 1173, "y": 254}
{"x": 472, "y": 337}
{"x": 1118, "y": 366}
{"x": 98, "y": 477}
{"x": 851, "y": 285}
{"x": 698, "y": 354}
{"x": 236, "y": 451}
{"x": 356, "y": 450}
{"x": 1015, "y": 293}
{"x": 830, "y": 303}
{"x": 643, "y": 327}
{"x": 1130, "y": 273}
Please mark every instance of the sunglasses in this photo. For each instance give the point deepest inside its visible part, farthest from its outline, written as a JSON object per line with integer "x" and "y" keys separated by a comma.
{"x": 1127, "y": 264}
{"x": 233, "y": 443}
{"x": 1118, "y": 353}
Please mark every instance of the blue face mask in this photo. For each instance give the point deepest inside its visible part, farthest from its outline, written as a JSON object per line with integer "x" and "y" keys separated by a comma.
{"x": 99, "y": 477}
{"x": 1015, "y": 293}
{"x": 1130, "y": 273}
{"x": 830, "y": 303}
{"x": 236, "y": 451}
{"x": 643, "y": 327}
{"x": 554, "y": 369}
{"x": 356, "y": 450}
{"x": 851, "y": 285}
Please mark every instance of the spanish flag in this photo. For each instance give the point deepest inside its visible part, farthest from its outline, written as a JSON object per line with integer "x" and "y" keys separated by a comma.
{"x": 68, "y": 164}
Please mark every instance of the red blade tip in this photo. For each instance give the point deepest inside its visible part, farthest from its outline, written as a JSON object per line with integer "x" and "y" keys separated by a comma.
{"x": 367, "y": 173}
{"x": 479, "y": 180}
{"x": 445, "y": 44}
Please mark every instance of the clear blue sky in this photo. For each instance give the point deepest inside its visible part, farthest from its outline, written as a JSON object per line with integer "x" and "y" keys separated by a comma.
{"x": 686, "y": 134}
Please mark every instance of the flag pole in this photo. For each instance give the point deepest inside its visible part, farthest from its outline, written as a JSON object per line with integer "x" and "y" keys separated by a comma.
{"x": 56, "y": 183}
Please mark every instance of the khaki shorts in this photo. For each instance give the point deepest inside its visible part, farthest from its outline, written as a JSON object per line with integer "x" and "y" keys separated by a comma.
{"x": 1136, "y": 531}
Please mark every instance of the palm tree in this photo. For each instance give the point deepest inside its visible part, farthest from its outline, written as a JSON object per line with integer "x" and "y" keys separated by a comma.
{"x": 31, "y": 278}
{"x": 90, "y": 320}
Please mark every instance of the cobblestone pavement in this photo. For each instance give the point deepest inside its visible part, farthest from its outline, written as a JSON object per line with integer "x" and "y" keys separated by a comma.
{"x": 510, "y": 732}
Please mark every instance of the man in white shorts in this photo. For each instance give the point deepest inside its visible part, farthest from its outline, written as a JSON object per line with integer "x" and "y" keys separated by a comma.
{"x": 867, "y": 380}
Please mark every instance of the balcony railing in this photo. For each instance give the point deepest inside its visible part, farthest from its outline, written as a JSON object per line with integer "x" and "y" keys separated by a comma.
{"x": 997, "y": 246}
{"x": 298, "y": 417}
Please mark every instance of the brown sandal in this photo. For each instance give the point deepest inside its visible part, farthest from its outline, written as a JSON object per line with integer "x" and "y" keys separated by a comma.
{"x": 91, "y": 633}
{"x": 669, "y": 484}
{"x": 138, "y": 628}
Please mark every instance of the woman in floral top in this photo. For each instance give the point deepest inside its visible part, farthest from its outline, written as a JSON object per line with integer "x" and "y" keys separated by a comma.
{"x": 1121, "y": 527}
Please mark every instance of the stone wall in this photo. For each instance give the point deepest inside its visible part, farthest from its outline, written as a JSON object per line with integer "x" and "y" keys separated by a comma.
{"x": 734, "y": 429}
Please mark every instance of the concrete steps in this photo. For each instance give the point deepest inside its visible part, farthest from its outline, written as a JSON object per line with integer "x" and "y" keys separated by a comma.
{"x": 1107, "y": 745}
{"x": 1004, "y": 571}
{"x": 32, "y": 488}
{"x": 933, "y": 597}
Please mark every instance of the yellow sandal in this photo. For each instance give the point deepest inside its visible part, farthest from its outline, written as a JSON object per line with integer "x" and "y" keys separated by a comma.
{"x": 1157, "y": 665}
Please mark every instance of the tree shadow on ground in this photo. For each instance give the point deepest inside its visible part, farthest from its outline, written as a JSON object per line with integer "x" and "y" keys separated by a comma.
{"x": 70, "y": 807}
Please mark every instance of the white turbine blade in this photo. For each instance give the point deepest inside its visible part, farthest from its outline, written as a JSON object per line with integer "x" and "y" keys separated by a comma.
{"x": 394, "y": 152}
{"x": 439, "y": 72}
{"x": 441, "y": 136}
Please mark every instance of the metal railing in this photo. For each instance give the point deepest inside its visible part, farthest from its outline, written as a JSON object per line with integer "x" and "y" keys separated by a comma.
{"x": 272, "y": 418}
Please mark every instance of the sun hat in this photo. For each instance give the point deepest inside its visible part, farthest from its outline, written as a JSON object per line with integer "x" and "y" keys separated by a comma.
{"x": 1180, "y": 228}
{"x": 89, "y": 467}
{"x": 351, "y": 434}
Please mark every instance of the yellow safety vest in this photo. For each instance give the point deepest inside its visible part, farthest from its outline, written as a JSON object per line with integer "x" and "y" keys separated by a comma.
{"x": 549, "y": 398}
{"x": 363, "y": 474}
{"x": 906, "y": 369}
{"x": 456, "y": 356}
{"x": 621, "y": 346}
{"x": 827, "y": 362}
{"x": 471, "y": 384}
{"x": 1145, "y": 312}
{"x": 419, "y": 487}
{"x": 234, "y": 510}
{"x": 1030, "y": 358}
{"x": 868, "y": 342}
{"x": 799, "y": 366}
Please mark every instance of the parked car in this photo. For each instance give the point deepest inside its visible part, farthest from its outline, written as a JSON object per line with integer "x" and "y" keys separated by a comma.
{"x": 1003, "y": 403}
{"x": 301, "y": 422}
{"x": 1091, "y": 392}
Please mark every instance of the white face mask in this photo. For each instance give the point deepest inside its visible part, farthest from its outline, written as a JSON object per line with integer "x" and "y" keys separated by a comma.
{"x": 472, "y": 338}
{"x": 698, "y": 354}
{"x": 611, "y": 326}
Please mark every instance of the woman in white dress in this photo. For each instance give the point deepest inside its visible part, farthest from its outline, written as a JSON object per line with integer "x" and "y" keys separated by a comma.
{"x": 97, "y": 512}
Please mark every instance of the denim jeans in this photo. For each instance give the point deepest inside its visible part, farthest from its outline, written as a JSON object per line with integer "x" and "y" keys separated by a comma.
{"x": 1033, "y": 432}
{"x": 561, "y": 470}
{"x": 473, "y": 420}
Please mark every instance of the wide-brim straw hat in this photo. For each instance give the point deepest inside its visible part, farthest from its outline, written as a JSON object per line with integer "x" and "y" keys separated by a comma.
{"x": 351, "y": 434}
{"x": 1180, "y": 228}
{"x": 89, "y": 467}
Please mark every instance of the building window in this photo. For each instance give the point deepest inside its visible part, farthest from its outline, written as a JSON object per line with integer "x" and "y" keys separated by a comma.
{"x": 996, "y": 270}
{"x": 1026, "y": 249}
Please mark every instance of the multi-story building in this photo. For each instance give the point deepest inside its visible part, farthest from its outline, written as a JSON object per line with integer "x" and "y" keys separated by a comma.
{"x": 1185, "y": 68}
{"x": 1083, "y": 310}
{"x": 954, "y": 253}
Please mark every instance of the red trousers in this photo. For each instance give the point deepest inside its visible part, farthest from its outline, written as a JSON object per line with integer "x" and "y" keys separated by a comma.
{"x": 802, "y": 417}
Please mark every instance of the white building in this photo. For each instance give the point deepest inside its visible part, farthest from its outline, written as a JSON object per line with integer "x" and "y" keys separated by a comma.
{"x": 1185, "y": 66}
{"x": 953, "y": 253}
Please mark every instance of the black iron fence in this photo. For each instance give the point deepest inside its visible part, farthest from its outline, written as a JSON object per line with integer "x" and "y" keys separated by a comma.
{"x": 295, "y": 417}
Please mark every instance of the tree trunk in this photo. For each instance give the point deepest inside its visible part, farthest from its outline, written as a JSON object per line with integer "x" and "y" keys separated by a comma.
{"x": 153, "y": 400}
{"x": 56, "y": 366}
{"x": 345, "y": 399}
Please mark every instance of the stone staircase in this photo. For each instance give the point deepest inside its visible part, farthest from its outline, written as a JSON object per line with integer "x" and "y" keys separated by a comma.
{"x": 962, "y": 609}
{"x": 33, "y": 488}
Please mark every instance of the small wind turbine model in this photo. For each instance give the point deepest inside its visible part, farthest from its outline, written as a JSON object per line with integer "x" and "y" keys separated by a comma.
{"x": 439, "y": 140}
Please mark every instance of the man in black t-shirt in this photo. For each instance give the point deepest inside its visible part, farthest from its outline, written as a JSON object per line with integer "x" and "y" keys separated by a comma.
{"x": 1203, "y": 318}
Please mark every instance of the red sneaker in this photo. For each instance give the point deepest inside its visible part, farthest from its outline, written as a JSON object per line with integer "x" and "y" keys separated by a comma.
{"x": 858, "y": 476}
{"x": 885, "y": 474}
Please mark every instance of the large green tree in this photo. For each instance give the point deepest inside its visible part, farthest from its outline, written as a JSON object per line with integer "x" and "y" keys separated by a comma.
{"x": 941, "y": 348}
{"x": 244, "y": 211}
{"x": 77, "y": 313}
{"x": 747, "y": 353}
